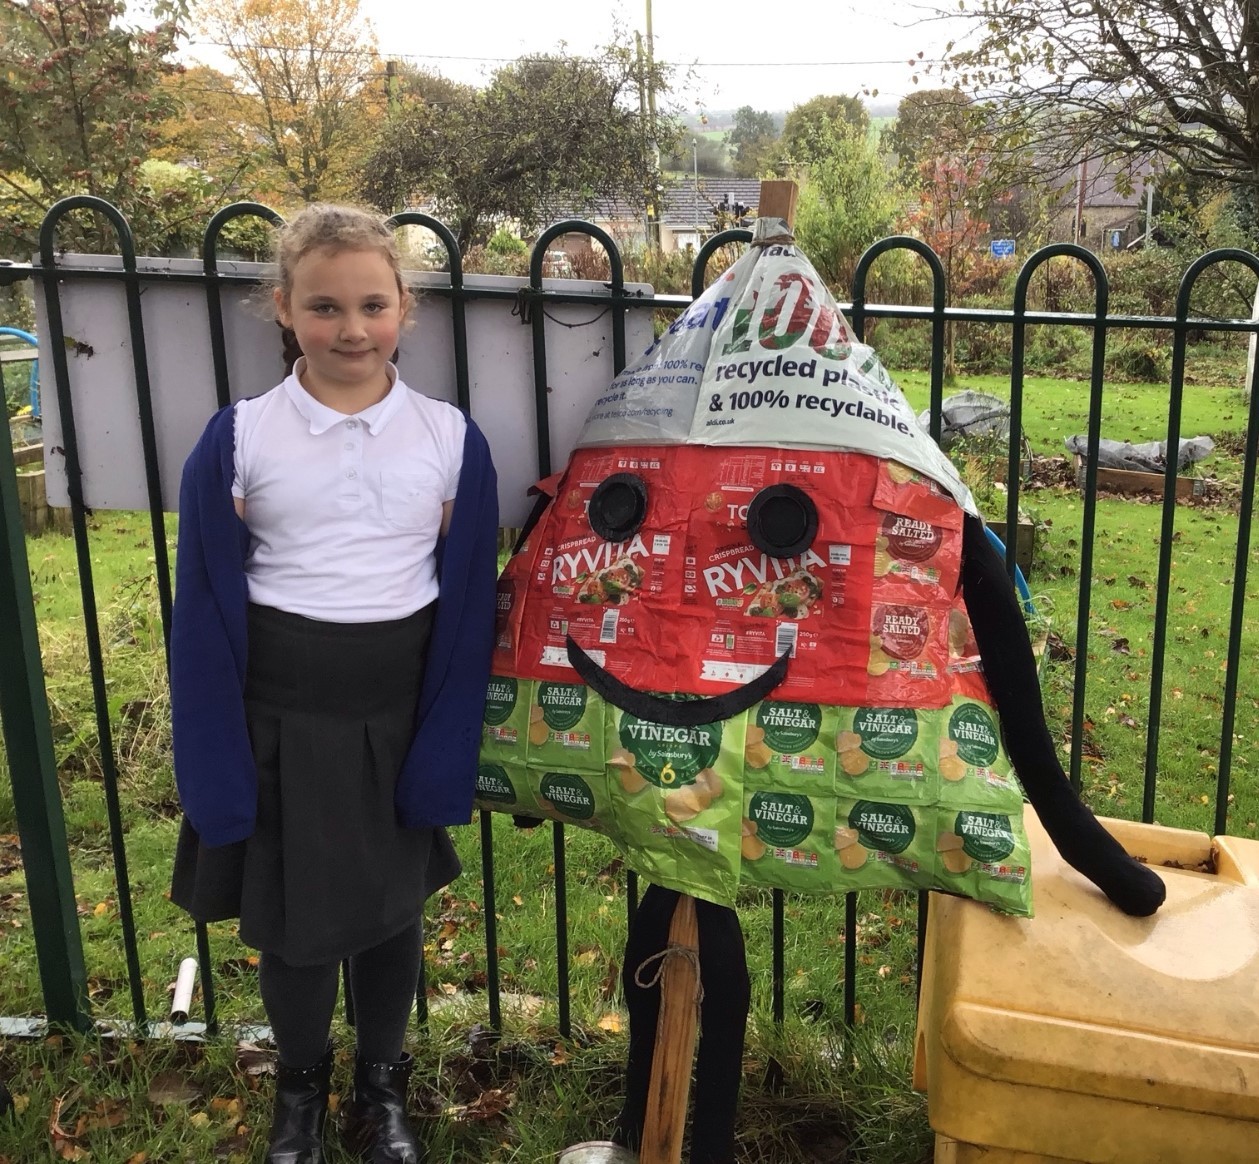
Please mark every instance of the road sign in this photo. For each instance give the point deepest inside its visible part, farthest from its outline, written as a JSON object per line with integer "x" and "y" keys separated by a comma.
{"x": 1002, "y": 248}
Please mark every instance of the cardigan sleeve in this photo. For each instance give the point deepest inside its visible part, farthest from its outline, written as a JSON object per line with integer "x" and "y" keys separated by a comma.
{"x": 438, "y": 778}
{"x": 214, "y": 765}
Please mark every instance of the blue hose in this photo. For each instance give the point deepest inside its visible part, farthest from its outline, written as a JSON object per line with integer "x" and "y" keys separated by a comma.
{"x": 26, "y": 336}
{"x": 1020, "y": 583}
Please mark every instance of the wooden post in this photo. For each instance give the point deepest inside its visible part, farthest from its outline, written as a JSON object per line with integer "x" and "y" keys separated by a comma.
{"x": 778, "y": 200}
{"x": 670, "y": 1086}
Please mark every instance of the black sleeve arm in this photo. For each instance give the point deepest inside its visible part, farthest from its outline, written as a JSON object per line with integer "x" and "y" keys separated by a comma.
{"x": 1010, "y": 671}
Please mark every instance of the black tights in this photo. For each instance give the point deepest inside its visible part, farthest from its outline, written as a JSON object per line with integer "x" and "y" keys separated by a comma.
{"x": 723, "y": 1023}
{"x": 299, "y": 1000}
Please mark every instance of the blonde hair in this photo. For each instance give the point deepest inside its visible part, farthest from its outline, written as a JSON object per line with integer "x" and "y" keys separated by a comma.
{"x": 325, "y": 226}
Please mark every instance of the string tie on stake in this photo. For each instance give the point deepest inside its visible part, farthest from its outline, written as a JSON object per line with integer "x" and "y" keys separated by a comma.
{"x": 661, "y": 958}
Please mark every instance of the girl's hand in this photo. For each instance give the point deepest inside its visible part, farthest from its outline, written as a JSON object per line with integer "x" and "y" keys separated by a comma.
{"x": 448, "y": 507}
{"x": 239, "y": 503}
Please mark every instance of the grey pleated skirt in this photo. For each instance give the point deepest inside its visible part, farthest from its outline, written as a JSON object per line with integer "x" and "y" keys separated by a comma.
{"x": 328, "y": 872}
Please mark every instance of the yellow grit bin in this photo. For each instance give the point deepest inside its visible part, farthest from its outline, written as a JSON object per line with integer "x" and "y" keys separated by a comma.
{"x": 1083, "y": 1035}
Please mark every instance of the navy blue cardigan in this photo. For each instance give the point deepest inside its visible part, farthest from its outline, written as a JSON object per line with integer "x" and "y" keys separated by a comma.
{"x": 214, "y": 767}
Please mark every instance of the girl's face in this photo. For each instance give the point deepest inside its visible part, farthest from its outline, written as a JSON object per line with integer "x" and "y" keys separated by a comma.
{"x": 346, "y": 310}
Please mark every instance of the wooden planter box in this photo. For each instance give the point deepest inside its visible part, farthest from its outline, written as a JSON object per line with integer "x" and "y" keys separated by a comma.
{"x": 37, "y": 515}
{"x": 1131, "y": 481}
{"x": 1024, "y": 543}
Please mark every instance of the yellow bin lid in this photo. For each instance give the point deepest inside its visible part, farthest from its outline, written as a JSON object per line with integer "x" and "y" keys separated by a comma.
{"x": 1084, "y": 1034}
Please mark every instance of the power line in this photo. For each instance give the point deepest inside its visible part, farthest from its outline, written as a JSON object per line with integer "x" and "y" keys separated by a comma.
{"x": 372, "y": 52}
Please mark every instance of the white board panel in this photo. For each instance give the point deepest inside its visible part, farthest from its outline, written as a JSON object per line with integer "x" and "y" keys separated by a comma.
{"x": 181, "y": 372}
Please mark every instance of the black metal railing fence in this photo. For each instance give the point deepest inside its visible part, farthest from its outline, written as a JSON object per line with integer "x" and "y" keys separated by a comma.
{"x": 26, "y": 721}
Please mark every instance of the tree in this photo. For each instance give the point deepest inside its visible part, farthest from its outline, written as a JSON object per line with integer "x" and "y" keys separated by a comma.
{"x": 803, "y": 130}
{"x": 752, "y": 138}
{"x": 547, "y": 136}
{"x": 80, "y": 105}
{"x": 203, "y": 130}
{"x": 848, "y": 200}
{"x": 302, "y": 90}
{"x": 1132, "y": 78}
{"x": 953, "y": 198}
{"x": 931, "y": 123}
{"x": 710, "y": 156}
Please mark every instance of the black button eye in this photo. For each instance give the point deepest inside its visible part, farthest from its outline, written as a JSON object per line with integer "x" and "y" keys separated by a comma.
{"x": 618, "y": 507}
{"x": 782, "y": 521}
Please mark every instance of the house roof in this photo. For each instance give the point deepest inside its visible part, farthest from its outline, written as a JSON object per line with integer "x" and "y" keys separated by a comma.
{"x": 682, "y": 202}
{"x": 1103, "y": 180}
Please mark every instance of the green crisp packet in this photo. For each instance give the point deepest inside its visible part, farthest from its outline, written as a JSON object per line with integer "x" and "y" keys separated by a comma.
{"x": 985, "y": 855}
{"x": 791, "y": 746}
{"x": 883, "y": 844}
{"x": 975, "y": 771}
{"x": 788, "y": 840}
{"x": 566, "y": 728}
{"x": 505, "y": 730}
{"x": 579, "y": 798}
{"x": 677, "y": 797}
{"x": 886, "y": 753}
{"x": 505, "y": 788}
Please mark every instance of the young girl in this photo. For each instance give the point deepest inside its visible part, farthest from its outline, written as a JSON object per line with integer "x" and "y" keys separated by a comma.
{"x": 331, "y": 640}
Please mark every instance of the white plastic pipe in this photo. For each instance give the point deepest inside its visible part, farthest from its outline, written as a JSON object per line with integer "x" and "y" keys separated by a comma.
{"x": 181, "y": 1004}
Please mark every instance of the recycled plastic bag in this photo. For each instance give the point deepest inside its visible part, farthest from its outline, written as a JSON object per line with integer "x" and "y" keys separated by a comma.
{"x": 970, "y": 414}
{"x": 1150, "y": 457}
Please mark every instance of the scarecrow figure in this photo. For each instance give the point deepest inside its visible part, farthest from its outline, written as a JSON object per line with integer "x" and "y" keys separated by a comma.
{"x": 757, "y": 636}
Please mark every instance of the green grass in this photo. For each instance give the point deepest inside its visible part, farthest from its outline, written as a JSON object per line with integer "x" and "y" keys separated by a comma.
{"x": 843, "y": 1099}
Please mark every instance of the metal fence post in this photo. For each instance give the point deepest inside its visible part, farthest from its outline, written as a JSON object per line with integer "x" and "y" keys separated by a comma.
{"x": 33, "y": 771}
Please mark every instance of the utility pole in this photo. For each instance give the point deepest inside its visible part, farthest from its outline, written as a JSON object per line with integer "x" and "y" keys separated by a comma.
{"x": 391, "y": 87}
{"x": 695, "y": 149}
{"x": 654, "y": 198}
{"x": 649, "y": 200}
{"x": 1079, "y": 200}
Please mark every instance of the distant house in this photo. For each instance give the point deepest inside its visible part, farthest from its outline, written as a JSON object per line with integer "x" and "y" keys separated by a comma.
{"x": 692, "y": 211}
{"x": 1111, "y": 217}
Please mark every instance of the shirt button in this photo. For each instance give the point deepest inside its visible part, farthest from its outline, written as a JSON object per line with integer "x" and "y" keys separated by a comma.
{"x": 351, "y": 473}
{"x": 351, "y": 424}
{"x": 350, "y": 446}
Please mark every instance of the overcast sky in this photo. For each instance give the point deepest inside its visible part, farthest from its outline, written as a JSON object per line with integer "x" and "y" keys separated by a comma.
{"x": 741, "y": 56}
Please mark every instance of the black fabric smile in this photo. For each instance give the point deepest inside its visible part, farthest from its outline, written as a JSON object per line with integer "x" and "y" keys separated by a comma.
{"x": 675, "y": 712}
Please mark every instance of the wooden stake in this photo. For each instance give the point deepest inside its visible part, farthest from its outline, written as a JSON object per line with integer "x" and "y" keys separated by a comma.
{"x": 778, "y": 200}
{"x": 669, "y": 1090}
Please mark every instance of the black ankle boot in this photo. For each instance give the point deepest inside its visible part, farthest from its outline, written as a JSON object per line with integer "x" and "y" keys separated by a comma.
{"x": 375, "y": 1123}
{"x": 301, "y": 1106}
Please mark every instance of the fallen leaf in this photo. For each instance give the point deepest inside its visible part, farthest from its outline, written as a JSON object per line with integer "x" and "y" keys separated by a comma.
{"x": 230, "y": 1107}
{"x": 199, "y": 1120}
{"x": 611, "y": 1022}
{"x": 170, "y": 1087}
{"x": 254, "y": 1060}
{"x": 62, "y": 1141}
{"x": 108, "y": 1113}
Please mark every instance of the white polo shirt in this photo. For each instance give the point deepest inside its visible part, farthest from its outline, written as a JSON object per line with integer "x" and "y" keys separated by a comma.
{"x": 344, "y": 511}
